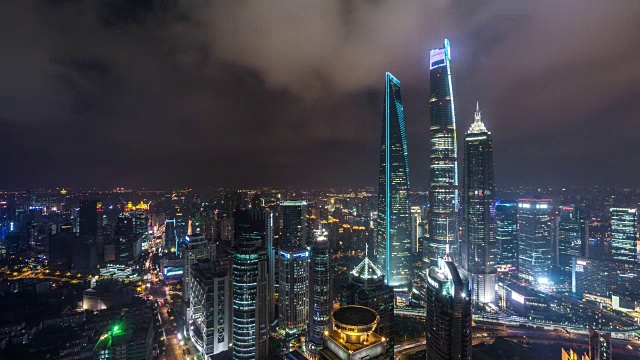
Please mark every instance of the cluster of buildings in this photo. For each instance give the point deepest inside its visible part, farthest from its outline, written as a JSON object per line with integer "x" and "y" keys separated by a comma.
{"x": 257, "y": 268}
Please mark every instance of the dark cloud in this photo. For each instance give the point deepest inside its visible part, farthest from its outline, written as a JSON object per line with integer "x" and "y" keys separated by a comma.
{"x": 252, "y": 92}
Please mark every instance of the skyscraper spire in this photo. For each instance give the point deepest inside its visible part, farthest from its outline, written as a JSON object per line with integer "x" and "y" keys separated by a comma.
{"x": 478, "y": 125}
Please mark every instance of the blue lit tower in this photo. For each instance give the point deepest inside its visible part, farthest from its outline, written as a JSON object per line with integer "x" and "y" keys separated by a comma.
{"x": 478, "y": 253}
{"x": 249, "y": 282}
{"x": 443, "y": 166}
{"x": 393, "y": 229}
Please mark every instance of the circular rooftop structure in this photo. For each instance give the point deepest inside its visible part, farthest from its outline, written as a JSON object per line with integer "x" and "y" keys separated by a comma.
{"x": 355, "y": 319}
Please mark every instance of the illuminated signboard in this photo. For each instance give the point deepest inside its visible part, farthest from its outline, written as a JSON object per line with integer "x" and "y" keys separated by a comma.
{"x": 517, "y": 297}
{"x": 433, "y": 283}
{"x": 436, "y": 58}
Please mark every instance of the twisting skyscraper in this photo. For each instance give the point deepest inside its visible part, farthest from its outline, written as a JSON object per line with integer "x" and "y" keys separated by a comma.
{"x": 479, "y": 222}
{"x": 443, "y": 166}
{"x": 393, "y": 236}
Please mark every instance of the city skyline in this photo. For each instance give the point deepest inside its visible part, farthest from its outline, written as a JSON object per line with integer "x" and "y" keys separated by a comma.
{"x": 301, "y": 112}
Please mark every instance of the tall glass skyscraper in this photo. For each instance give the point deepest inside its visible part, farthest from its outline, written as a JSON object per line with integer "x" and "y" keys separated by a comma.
{"x": 249, "y": 281}
{"x": 534, "y": 245}
{"x": 572, "y": 236}
{"x": 479, "y": 222}
{"x": 320, "y": 298}
{"x": 294, "y": 222}
{"x": 443, "y": 166}
{"x": 393, "y": 232}
{"x": 448, "y": 313}
{"x": 507, "y": 234}
{"x": 624, "y": 234}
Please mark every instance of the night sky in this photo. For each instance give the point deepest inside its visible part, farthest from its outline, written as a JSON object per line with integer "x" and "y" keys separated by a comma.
{"x": 278, "y": 93}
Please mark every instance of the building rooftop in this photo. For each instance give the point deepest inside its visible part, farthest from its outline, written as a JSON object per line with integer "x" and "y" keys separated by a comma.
{"x": 355, "y": 316}
{"x": 367, "y": 270}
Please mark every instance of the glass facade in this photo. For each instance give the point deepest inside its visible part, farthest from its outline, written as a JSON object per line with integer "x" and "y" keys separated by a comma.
{"x": 448, "y": 317}
{"x": 507, "y": 234}
{"x": 249, "y": 285}
{"x": 571, "y": 236}
{"x": 294, "y": 222}
{"x": 321, "y": 298}
{"x": 393, "y": 248}
{"x": 443, "y": 165}
{"x": 624, "y": 234}
{"x": 534, "y": 245}
{"x": 478, "y": 253}
{"x": 293, "y": 291}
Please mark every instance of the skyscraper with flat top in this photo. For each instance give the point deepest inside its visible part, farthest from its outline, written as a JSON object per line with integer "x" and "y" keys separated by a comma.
{"x": 393, "y": 243}
{"x": 479, "y": 222}
{"x": 443, "y": 166}
{"x": 320, "y": 298}
{"x": 294, "y": 223}
{"x": 249, "y": 282}
{"x": 534, "y": 245}
{"x": 624, "y": 234}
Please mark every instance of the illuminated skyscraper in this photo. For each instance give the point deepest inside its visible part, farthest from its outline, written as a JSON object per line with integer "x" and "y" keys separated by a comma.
{"x": 393, "y": 224}
{"x": 320, "y": 301}
{"x": 534, "y": 245}
{"x": 293, "y": 291}
{"x": 479, "y": 222}
{"x": 572, "y": 237}
{"x": 443, "y": 166}
{"x": 249, "y": 282}
{"x": 624, "y": 234}
{"x": 294, "y": 223}
{"x": 507, "y": 234}
{"x": 448, "y": 313}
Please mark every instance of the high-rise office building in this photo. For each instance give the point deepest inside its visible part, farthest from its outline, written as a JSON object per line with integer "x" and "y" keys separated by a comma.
{"x": 209, "y": 309}
{"x": 293, "y": 291}
{"x": 443, "y": 166}
{"x": 194, "y": 248}
{"x": 88, "y": 217}
{"x": 393, "y": 244}
{"x": 367, "y": 288}
{"x": 249, "y": 281}
{"x": 353, "y": 336}
{"x": 320, "y": 303}
{"x": 507, "y": 235}
{"x": 294, "y": 222}
{"x": 624, "y": 234}
{"x": 169, "y": 236}
{"x": 572, "y": 236}
{"x": 125, "y": 245}
{"x": 534, "y": 245}
{"x": 602, "y": 280}
{"x": 448, "y": 313}
{"x": 417, "y": 228}
{"x": 479, "y": 222}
